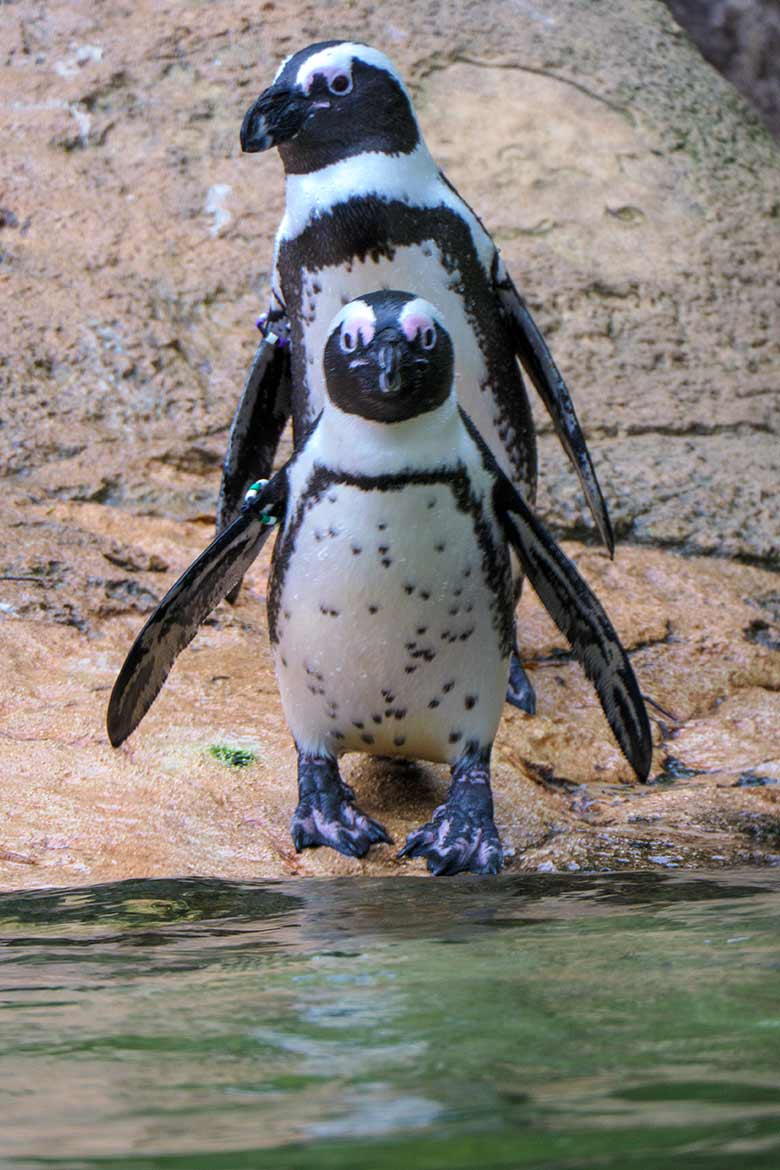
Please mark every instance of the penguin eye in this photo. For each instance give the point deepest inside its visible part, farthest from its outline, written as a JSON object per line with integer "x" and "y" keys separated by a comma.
{"x": 429, "y": 337}
{"x": 348, "y": 341}
{"x": 340, "y": 84}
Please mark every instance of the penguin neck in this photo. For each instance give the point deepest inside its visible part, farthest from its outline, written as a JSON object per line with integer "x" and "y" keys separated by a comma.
{"x": 361, "y": 446}
{"x": 405, "y": 178}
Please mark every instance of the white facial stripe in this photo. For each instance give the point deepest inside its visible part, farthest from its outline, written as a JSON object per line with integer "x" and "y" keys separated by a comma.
{"x": 338, "y": 59}
{"x": 417, "y": 316}
{"x": 356, "y": 318}
{"x": 328, "y": 72}
{"x": 282, "y": 68}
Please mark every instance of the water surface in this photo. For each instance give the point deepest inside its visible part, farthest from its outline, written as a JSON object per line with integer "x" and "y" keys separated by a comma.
{"x": 540, "y": 1021}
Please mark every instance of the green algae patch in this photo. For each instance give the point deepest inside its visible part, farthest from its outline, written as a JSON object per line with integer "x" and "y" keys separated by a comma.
{"x": 234, "y": 757}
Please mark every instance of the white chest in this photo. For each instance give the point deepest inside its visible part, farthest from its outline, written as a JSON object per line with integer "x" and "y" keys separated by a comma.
{"x": 387, "y": 640}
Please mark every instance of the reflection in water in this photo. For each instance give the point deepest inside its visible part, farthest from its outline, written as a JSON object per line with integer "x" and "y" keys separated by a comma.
{"x": 529, "y": 1021}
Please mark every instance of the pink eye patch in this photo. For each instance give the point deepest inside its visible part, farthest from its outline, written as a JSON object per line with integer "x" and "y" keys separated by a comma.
{"x": 415, "y": 323}
{"x": 360, "y": 320}
{"x": 329, "y": 72}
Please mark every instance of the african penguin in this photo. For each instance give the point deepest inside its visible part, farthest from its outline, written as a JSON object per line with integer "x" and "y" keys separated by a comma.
{"x": 367, "y": 208}
{"x": 390, "y": 601}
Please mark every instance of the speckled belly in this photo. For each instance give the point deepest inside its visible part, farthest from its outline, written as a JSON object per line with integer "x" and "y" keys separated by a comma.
{"x": 387, "y": 639}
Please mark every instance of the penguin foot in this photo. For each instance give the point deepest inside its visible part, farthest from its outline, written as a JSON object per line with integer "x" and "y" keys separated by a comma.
{"x": 327, "y": 815}
{"x": 519, "y": 691}
{"x": 461, "y": 836}
{"x": 339, "y": 824}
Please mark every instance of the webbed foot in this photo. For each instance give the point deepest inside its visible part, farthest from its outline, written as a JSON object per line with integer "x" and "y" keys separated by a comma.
{"x": 461, "y": 836}
{"x": 519, "y": 691}
{"x": 454, "y": 842}
{"x": 326, "y": 812}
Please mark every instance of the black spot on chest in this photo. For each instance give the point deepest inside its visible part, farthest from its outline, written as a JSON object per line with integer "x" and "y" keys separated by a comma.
{"x": 494, "y": 556}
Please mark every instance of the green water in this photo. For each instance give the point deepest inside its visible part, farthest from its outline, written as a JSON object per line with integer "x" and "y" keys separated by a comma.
{"x": 540, "y": 1021}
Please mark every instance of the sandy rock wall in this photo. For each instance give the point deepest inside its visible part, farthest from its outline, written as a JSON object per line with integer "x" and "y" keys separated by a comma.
{"x": 633, "y": 195}
{"x": 635, "y": 199}
{"x": 742, "y": 39}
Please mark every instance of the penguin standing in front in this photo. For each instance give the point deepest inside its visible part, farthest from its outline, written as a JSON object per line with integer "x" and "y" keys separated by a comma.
{"x": 390, "y": 602}
{"x": 367, "y": 208}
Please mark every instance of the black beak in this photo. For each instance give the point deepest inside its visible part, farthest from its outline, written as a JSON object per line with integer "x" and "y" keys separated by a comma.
{"x": 390, "y": 354}
{"x": 275, "y": 117}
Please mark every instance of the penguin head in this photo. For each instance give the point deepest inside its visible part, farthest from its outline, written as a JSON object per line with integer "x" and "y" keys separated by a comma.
{"x": 388, "y": 357}
{"x": 328, "y": 102}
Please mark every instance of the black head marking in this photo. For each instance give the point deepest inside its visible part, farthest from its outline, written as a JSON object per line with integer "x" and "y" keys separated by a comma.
{"x": 388, "y": 357}
{"x": 328, "y": 102}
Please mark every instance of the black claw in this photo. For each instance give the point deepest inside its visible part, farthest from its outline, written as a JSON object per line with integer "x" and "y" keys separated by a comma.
{"x": 378, "y": 833}
{"x": 443, "y": 866}
{"x": 351, "y": 846}
{"x": 416, "y": 843}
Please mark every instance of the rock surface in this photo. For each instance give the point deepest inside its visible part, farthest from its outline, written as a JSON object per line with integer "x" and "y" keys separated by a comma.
{"x": 634, "y": 197}
{"x": 742, "y": 39}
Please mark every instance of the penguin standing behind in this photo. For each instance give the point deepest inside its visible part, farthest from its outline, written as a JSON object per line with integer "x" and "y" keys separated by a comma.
{"x": 367, "y": 208}
{"x": 390, "y": 602}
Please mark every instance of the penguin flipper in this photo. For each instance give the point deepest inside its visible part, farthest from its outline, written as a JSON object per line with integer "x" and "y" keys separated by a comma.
{"x": 259, "y": 420}
{"x": 581, "y": 618}
{"x": 537, "y": 361}
{"x": 175, "y": 622}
